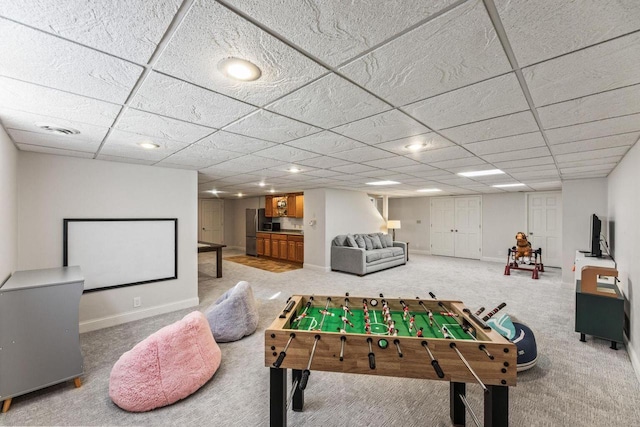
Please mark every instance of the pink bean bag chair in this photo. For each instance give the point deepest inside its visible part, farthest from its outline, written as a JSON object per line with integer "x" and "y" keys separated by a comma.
{"x": 165, "y": 367}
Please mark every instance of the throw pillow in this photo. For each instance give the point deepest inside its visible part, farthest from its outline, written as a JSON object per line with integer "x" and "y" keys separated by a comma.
{"x": 375, "y": 239}
{"x": 382, "y": 240}
{"x": 368, "y": 243}
{"x": 351, "y": 241}
{"x": 389, "y": 240}
{"x": 360, "y": 241}
{"x": 339, "y": 240}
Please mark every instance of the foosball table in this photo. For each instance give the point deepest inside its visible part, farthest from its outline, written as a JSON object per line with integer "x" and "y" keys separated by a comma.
{"x": 413, "y": 338}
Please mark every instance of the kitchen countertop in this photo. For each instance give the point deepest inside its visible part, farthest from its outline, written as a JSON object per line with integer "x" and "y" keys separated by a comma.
{"x": 289, "y": 232}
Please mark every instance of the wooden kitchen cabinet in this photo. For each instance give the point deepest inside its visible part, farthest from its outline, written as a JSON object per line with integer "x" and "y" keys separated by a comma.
{"x": 291, "y": 250}
{"x": 291, "y": 206}
{"x": 268, "y": 206}
{"x": 300, "y": 252}
{"x": 299, "y": 206}
{"x": 263, "y": 244}
{"x": 284, "y": 247}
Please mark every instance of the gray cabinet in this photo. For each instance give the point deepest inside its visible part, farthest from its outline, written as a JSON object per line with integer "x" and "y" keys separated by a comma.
{"x": 39, "y": 336}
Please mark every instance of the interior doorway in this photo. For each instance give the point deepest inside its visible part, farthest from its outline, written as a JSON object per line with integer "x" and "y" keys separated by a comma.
{"x": 456, "y": 226}
{"x": 210, "y": 220}
{"x": 544, "y": 225}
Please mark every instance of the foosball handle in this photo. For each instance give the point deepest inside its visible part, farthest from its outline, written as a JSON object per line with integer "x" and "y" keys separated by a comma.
{"x": 304, "y": 379}
{"x": 437, "y": 368}
{"x": 372, "y": 361}
{"x": 279, "y": 360}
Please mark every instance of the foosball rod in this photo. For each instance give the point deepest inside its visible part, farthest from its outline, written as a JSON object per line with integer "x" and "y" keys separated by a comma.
{"x": 473, "y": 414}
{"x": 397, "y": 343}
{"x": 283, "y": 353}
{"x": 343, "y": 340}
{"x": 434, "y": 361}
{"x": 372, "y": 356}
{"x": 326, "y": 307}
{"x": 453, "y": 346}
{"x": 494, "y": 311}
{"x": 305, "y": 374}
{"x": 480, "y": 310}
{"x": 430, "y": 315}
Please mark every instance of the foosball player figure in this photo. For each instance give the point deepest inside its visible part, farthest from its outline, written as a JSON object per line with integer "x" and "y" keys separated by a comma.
{"x": 412, "y": 323}
{"x": 302, "y": 316}
{"x": 367, "y": 328}
{"x": 419, "y": 333}
{"x": 345, "y": 321}
{"x": 405, "y": 313}
{"x": 346, "y": 310}
{"x": 392, "y": 328}
{"x": 430, "y": 318}
{"x": 326, "y": 312}
{"x": 395, "y": 332}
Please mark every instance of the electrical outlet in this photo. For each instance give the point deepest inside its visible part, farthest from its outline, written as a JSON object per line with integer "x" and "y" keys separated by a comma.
{"x": 137, "y": 302}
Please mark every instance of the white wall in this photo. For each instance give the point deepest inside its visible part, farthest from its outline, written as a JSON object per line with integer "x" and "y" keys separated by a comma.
{"x": 580, "y": 199}
{"x": 235, "y": 231}
{"x": 624, "y": 212}
{"x": 8, "y": 206}
{"x": 51, "y": 188}
{"x": 409, "y": 211}
{"x": 315, "y": 255}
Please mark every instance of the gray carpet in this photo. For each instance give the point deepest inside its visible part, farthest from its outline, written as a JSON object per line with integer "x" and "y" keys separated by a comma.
{"x": 573, "y": 384}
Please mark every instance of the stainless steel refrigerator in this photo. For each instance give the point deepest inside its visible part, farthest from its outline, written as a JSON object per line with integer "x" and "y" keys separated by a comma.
{"x": 255, "y": 220}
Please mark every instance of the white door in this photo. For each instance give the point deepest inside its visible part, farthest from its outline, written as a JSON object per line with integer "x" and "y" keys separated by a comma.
{"x": 442, "y": 226}
{"x": 467, "y": 229}
{"x": 544, "y": 223}
{"x": 211, "y": 221}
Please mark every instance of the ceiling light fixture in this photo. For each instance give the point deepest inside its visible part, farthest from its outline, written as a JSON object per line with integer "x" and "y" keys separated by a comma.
{"x": 239, "y": 194}
{"x": 415, "y": 146}
{"x": 508, "y": 185}
{"x": 148, "y": 145}
{"x": 239, "y": 69}
{"x": 294, "y": 169}
{"x": 383, "y": 183}
{"x": 428, "y": 190}
{"x": 272, "y": 191}
{"x": 261, "y": 184}
{"x": 58, "y": 130}
{"x": 481, "y": 173}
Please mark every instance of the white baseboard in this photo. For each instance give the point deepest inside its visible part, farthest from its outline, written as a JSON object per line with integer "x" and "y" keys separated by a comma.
{"x": 418, "y": 251}
{"x": 491, "y": 259}
{"x": 118, "y": 319}
{"x": 635, "y": 361}
{"x": 313, "y": 267}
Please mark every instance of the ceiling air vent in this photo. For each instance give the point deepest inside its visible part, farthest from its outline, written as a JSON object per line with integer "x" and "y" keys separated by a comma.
{"x": 58, "y": 130}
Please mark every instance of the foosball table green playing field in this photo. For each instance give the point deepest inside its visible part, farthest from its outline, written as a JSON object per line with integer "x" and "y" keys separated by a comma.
{"x": 413, "y": 338}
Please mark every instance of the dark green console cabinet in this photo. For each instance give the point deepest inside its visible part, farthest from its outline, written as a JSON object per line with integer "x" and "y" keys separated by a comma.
{"x": 598, "y": 315}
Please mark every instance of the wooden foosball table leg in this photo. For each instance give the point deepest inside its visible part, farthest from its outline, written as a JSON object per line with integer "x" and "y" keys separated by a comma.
{"x": 278, "y": 398}
{"x": 6, "y": 405}
{"x": 457, "y": 410}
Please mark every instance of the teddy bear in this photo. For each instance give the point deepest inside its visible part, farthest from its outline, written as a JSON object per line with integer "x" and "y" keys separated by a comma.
{"x": 522, "y": 248}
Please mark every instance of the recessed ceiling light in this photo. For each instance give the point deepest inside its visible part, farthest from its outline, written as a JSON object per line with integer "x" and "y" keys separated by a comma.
{"x": 239, "y": 194}
{"x": 272, "y": 191}
{"x": 294, "y": 169}
{"x": 383, "y": 183}
{"x": 148, "y": 145}
{"x": 239, "y": 69}
{"x": 214, "y": 191}
{"x": 58, "y": 130}
{"x": 481, "y": 173}
{"x": 508, "y": 185}
{"x": 261, "y": 184}
{"x": 415, "y": 146}
{"x": 428, "y": 190}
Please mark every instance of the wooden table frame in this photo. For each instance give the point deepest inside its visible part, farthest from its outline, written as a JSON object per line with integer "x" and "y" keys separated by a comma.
{"x": 497, "y": 374}
{"x": 214, "y": 247}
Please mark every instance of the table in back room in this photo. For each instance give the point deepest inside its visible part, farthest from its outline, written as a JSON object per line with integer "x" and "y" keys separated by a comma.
{"x": 412, "y": 338}
{"x": 209, "y": 247}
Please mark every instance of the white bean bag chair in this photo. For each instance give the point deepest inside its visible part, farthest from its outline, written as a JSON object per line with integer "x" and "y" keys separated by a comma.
{"x": 234, "y": 315}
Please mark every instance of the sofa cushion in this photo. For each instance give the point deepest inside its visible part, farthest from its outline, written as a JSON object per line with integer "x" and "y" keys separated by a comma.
{"x": 367, "y": 241}
{"x": 395, "y": 250}
{"x": 375, "y": 239}
{"x": 360, "y": 241}
{"x": 339, "y": 240}
{"x": 351, "y": 241}
{"x": 383, "y": 241}
{"x": 388, "y": 239}
{"x": 373, "y": 255}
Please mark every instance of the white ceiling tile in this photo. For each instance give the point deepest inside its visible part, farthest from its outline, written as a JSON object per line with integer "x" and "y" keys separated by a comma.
{"x": 351, "y": 168}
{"x": 459, "y": 165}
{"x": 498, "y": 127}
{"x": 328, "y": 102}
{"x": 378, "y": 173}
{"x": 65, "y": 142}
{"x": 455, "y": 49}
{"x": 547, "y": 160}
{"x": 234, "y": 142}
{"x": 393, "y": 162}
{"x": 324, "y": 173}
{"x": 527, "y": 153}
{"x": 603, "y": 67}
{"x": 152, "y": 125}
{"x": 337, "y": 31}
{"x": 491, "y": 98}
{"x": 286, "y": 153}
{"x": 602, "y": 168}
{"x": 323, "y": 162}
{"x": 125, "y": 144}
{"x": 326, "y": 142}
{"x": 549, "y": 166}
{"x": 539, "y": 31}
{"x": 194, "y": 165}
{"x": 517, "y": 142}
{"x": 583, "y": 175}
{"x": 272, "y": 127}
{"x": 589, "y": 155}
{"x": 382, "y": 127}
{"x": 54, "y": 151}
{"x": 130, "y": 29}
{"x": 440, "y": 154}
{"x": 430, "y": 140}
{"x": 125, "y": 160}
{"x": 174, "y": 98}
{"x": 599, "y": 128}
{"x": 364, "y": 154}
{"x": 543, "y": 174}
{"x": 245, "y": 164}
{"x": 210, "y": 33}
{"x": 553, "y": 185}
{"x": 21, "y": 120}
{"x": 598, "y": 161}
{"x": 618, "y": 102}
{"x": 37, "y": 57}
{"x": 627, "y": 139}
{"x": 23, "y": 96}
{"x": 201, "y": 156}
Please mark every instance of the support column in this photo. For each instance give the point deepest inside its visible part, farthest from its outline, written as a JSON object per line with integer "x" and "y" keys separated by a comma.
{"x": 298, "y": 395}
{"x": 496, "y": 406}
{"x": 457, "y": 411}
{"x": 278, "y": 398}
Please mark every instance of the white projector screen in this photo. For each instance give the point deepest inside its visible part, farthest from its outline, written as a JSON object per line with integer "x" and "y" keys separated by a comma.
{"x": 122, "y": 252}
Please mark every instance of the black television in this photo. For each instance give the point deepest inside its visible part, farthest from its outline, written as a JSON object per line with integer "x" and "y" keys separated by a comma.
{"x": 596, "y": 228}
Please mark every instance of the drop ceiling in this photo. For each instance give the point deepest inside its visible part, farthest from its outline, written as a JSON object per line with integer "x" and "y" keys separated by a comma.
{"x": 546, "y": 92}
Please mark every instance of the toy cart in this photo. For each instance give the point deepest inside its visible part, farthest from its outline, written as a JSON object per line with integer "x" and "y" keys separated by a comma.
{"x": 535, "y": 263}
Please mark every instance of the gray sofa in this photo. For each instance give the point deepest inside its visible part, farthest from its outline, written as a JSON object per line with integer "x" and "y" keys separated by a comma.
{"x": 365, "y": 253}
